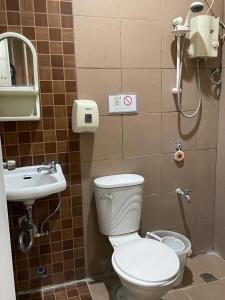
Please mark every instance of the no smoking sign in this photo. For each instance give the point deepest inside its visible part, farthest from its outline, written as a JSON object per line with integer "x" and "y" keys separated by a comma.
{"x": 122, "y": 103}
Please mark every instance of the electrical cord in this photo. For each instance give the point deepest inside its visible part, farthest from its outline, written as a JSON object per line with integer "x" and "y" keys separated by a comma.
{"x": 210, "y": 77}
{"x": 210, "y": 7}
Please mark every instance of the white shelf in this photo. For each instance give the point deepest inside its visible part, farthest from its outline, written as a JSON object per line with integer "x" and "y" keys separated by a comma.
{"x": 20, "y": 90}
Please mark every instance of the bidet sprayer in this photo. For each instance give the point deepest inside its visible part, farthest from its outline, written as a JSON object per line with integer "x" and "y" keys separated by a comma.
{"x": 195, "y": 7}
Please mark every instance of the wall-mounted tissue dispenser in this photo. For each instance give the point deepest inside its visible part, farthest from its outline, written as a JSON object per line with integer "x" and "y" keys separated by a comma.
{"x": 85, "y": 116}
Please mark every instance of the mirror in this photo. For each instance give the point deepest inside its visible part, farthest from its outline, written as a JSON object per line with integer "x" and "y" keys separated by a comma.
{"x": 19, "y": 86}
{"x": 16, "y": 63}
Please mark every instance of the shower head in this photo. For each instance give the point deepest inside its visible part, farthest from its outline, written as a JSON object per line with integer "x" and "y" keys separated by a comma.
{"x": 195, "y": 7}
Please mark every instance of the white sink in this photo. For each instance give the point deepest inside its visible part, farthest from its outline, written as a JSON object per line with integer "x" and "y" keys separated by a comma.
{"x": 27, "y": 184}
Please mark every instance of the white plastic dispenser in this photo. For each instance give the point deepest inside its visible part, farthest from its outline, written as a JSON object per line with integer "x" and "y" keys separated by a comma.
{"x": 85, "y": 116}
{"x": 204, "y": 36}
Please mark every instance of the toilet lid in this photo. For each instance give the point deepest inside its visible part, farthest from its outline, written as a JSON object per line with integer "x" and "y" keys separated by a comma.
{"x": 147, "y": 260}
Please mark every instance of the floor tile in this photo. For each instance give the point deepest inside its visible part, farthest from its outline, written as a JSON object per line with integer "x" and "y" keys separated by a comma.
{"x": 215, "y": 291}
{"x": 178, "y": 295}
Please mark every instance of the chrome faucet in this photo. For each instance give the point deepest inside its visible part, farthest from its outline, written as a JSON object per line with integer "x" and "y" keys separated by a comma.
{"x": 184, "y": 193}
{"x": 9, "y": 165}
{"x": 50, "y": 168}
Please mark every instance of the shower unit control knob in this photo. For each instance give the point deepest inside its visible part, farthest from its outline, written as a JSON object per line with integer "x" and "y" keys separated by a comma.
{"x": 215, "y": 44}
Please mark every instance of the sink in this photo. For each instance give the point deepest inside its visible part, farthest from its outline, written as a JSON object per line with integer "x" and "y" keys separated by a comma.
{"x": 26, "y": 184}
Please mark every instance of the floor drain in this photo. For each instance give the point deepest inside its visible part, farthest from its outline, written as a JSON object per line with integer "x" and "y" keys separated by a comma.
{"x": 208, "y": 277}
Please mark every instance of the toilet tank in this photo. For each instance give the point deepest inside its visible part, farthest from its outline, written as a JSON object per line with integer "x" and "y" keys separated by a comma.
{"x": 119, "y": 202}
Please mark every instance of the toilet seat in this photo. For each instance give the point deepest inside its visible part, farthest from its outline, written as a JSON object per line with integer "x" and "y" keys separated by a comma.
{"x": 146, "y": 262}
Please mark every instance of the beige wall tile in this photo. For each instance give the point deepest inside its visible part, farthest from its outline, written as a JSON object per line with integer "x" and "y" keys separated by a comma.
{"x": 176, "y": 175}
{"x": 91, "y": 170}
{"x": 146, "y": 83}
{"x": 97, "y": 42}
{"x": 178, "y": 129}
{"x": 221, "y": 129}
{"x": 147, "y": 166}
{"x": 106, "y": 143}
{"x": 165, "y": 212}
{"x": 135, "y": 140}
{"x": 203, "y": 201}
{"x": 208, "y": 128}
{"x": 141, "y": 9}
{"x": 169, "y": 49}
{"x": 202, "y": 237}
{"x": 91, "y": 230}
{"x": 96, "y": 8}
{"x": 97, "y": 257}
{"x": 189, "y": 99}
{"x": 220, "y": 206}
{"x": 141, "y": 44}
{"x": 175, "y": 8}
{"x": 206, "y": 167}
{"x": 219, "y": 241}
{"x": 222, "y": 95}
{"x": 216, "y": 9}
{"x": 98, "y": 84}
{"x": 220, "y": 168}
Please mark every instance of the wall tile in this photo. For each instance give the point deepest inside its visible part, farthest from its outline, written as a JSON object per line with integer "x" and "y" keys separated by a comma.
{"x": 135, "y": 141}
{"x": 207, "y": 133}
{"x": 202, "y": 237}
{"x": 137, "y": 51}
{"x": 141, "y": 9}
{"x": 165, "y": 212}
{"x": 220, "y": 206}
{"x": 178, "y": 129}
{"x": 98, "y": 84}
{"x": 96, "y": 8}
{"x": 221, "y": 129}
{"x": 147, "y": 85}
{"x": 147, "y": 166}
{"x": 91, "y": 170}
{"x": 176, "y": 175}
{"x": 203, "y": 201}
{"x": 95, "y": 39}
{"x": 110, "y": 131}
{"x": 206, "y": 167}
{"x": 220, "y": 168}
{"x": 219, "y": 242}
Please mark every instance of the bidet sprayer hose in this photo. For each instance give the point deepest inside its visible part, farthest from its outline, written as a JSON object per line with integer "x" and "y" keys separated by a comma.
{"x": 49, "y": 216}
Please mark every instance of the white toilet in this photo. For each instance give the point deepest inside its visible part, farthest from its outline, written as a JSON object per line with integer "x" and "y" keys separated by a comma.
{"x": 147, "y": 268}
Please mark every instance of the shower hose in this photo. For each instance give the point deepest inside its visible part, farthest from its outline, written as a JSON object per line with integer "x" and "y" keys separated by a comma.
{"x": 179, "y": 93}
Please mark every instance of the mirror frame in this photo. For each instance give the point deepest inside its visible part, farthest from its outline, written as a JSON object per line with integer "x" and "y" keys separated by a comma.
{"x": 31, "y": 92}
{"x": 22, "y": 38}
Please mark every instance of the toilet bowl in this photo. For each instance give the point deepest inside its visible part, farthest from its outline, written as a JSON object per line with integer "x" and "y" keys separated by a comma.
{"x": 147, "y": 268}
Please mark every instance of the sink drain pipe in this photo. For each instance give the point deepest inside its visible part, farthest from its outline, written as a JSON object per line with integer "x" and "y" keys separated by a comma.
{"x": 29, "y": 230}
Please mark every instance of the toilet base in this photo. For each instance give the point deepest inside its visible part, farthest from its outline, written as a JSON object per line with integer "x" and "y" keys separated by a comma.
{"x": 132, "y": 292}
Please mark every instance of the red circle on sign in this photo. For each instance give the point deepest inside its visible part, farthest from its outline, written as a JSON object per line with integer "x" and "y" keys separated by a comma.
{"x": 128, "y": 100}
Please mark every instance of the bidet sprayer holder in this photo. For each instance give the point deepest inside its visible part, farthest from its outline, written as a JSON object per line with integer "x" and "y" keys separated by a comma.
{"x": 178, "y": 146}
{"x": 184, "y": 193}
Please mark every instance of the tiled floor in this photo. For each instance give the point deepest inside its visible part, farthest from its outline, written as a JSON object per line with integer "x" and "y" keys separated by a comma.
{"x": 69, "y": 292}
{"x": 193, "y": 287}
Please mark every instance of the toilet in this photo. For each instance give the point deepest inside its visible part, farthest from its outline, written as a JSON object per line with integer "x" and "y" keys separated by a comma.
{"x": 147, "y": 268}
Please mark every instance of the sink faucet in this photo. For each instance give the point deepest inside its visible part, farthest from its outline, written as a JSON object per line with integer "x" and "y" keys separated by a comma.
{"x": 184, "y": 193}
{"x": 9, "y": 165}
{"x": 50, "y": 168}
